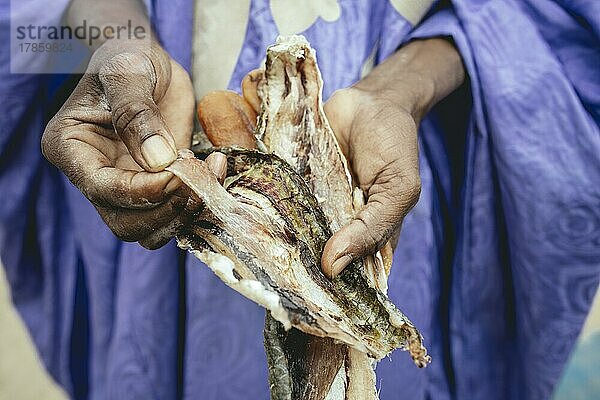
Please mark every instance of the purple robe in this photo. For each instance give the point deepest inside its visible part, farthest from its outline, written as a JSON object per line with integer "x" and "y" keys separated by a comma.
{"x": 497, "y": 264}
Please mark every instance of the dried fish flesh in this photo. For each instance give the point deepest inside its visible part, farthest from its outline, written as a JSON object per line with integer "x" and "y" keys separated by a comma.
{"x": 263, "y": 232}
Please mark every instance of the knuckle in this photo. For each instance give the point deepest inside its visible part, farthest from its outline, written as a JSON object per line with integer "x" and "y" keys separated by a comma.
{"x": 177, "y": 72}
{"x": 338, "y": 95}
{"x": 125, "y": 64}
{"x": 154, "y": 242}
{"x": 343, "y": 98}
{"x": 122, "y": 232}
{"x": 129, "y": 117}
{"x": 49, "y": 145}
{"x": 91, "y": 192}
{"x": 55, "y": 149}
{"x": 381, "y": 217}
{"x": 92, "y": 187}
{"x": 124, "y": 235}
{"x": 411, "y": 188}
{"x": 372, "y": 236}
{"x": 149, "y": 244}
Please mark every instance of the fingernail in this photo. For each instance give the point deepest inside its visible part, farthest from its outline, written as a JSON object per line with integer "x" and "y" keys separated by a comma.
{"x": 217, "y": 162}
{"x": 173, "y": 185}
{"x": 339, "y": 265}
{"x": 157, "y": 152}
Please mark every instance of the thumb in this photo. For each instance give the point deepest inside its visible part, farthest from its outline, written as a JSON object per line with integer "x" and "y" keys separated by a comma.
{"x": 131, "y": 83}
{"x": 372, "y": 227}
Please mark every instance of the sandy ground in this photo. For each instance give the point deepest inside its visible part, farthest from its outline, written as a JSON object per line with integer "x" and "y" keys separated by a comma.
{"x": 580, "y": 378}
{"x": 23, "y": 377}
{"x": 592, "y": 325}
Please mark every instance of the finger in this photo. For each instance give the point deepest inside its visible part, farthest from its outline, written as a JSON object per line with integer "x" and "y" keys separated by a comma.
{"x": 371, "y": 228}
{"x": 250, "y": 85}
{"x": 227, "y": 119}
{"x": 178, "y": 106}
{"x": 131, "y": 83}
{"x": 117, "y": 188}
{"x": 217, "y": 162}
{"x": 132, "y": 225}
{"x": 93, "y": 172}
{"x": 339, "y": 110}
{"x": 162, "y": 235}
{"x": 113, "y": 187}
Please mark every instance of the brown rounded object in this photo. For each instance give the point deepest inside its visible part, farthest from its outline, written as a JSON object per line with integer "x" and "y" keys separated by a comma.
{"x": 227, "y": 119}
{"x": 250, "y": 85}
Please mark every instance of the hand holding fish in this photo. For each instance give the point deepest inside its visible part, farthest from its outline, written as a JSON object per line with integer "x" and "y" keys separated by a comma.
{"x": 376, "y": 123}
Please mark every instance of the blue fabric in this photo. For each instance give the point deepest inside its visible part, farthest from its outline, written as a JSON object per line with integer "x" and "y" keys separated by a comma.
{"x": 497, "y": 264}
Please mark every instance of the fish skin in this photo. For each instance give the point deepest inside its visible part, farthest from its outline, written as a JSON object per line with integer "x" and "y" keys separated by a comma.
{"x": 346, "y": 308}
{"x": 293, "y": 125}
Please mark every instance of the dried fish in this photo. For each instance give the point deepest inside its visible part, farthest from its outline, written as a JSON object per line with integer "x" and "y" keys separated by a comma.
{"x": 293, "y": 125}
{"x": 263, "y": 232}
